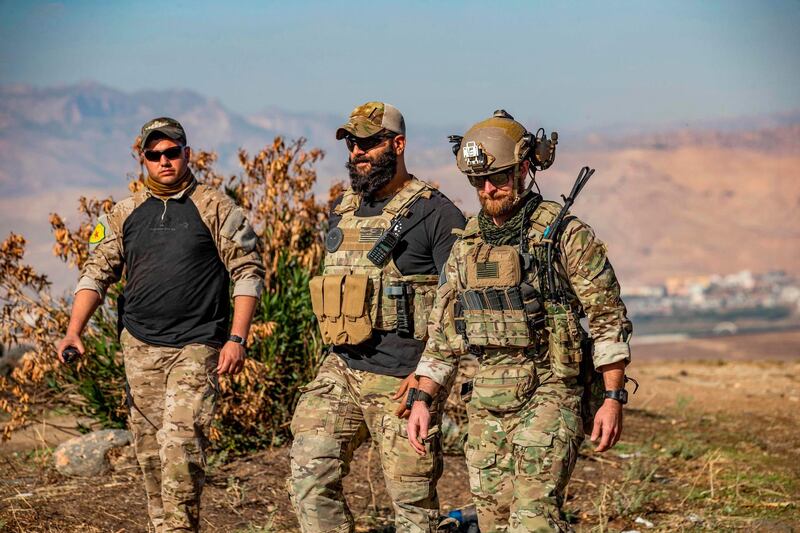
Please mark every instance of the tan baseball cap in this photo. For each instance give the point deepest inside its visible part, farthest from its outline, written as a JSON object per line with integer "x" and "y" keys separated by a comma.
{"x": 371, "y": 118}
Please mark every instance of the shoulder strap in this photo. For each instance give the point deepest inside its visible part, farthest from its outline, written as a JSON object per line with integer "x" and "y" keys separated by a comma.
{"x": 405, "y": 197}
{"x": 472, "y": 228}
{"x": 544, "y": 215}
{"x": 350, "y": 202}
{"x": 398, "y": 205}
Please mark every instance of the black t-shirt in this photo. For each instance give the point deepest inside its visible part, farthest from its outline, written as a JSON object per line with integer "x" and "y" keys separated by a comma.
{"x": 423, "y": 249}
{"x": 177, "y": 286}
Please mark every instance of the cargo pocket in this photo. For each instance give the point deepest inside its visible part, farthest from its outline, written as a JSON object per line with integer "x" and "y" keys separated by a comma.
{"x": 531, "y": 449}
{"x": 549, "y": 456}
{"x": 400, "y": 461}
{"x": 357, "y": 322}
{"x": 318, "y": 406}
{"x": 479, "y": 465}
{"x": 503, "y": 388}
{"x": 210, "y": 396}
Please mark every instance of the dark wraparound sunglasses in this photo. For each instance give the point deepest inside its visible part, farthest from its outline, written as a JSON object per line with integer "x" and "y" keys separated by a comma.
{"x": 174, "y": 152}
{"x": 498, "y": 179}
{"x": 365, "y": 144}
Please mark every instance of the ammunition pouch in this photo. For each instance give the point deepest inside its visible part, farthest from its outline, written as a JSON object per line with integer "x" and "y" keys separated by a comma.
{"x": 349, "y": 306}
{"x": 503, "y": 388}
{"x": 565, "y": 338}
{"x": 492, "y": 311}
{"x": 340, "y": 303}
{"x": 494, "y": 317}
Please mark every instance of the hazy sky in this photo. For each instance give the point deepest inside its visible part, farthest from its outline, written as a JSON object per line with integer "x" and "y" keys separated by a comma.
{"x": 579, "y": 64}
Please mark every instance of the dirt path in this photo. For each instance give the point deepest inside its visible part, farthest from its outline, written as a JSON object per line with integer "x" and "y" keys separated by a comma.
{"x": 711, "y": 442}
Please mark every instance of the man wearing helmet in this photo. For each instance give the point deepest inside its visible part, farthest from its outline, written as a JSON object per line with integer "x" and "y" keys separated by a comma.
{"x": 513, "y": 291}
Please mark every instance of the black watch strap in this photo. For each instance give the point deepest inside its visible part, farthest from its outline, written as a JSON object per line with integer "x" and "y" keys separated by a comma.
{"x": 238, "y": 340}
{"x": 621, "y": 395}
{"x": 416, "y": 395}
{"x": 423, "y": 396}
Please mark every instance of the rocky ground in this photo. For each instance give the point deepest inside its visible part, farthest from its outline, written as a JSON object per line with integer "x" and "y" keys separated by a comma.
{"x": 711, "y": 443}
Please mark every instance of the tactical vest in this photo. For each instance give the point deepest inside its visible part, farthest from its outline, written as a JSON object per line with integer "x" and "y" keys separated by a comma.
{"x": 501, "y": 305}
{"x": 355, "y": 296}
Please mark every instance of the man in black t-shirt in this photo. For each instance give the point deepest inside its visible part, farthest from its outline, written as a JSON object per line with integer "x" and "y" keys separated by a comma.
{"x": 181, "y": 244}
{"x": 389, "y": 237}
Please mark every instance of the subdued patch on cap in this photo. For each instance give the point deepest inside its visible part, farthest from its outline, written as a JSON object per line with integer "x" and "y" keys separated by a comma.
{"x": 373, "y": 117}
{"x": 166, "y": 126}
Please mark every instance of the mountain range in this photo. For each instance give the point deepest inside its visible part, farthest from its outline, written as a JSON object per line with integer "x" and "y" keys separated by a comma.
{"x": 672, "y": 201}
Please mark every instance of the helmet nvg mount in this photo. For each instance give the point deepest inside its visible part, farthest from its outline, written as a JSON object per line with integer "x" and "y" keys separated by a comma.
{"x": 501, "y": 142}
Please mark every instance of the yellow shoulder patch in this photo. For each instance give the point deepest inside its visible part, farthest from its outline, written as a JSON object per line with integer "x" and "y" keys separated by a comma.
{"x": 98, "y": 234}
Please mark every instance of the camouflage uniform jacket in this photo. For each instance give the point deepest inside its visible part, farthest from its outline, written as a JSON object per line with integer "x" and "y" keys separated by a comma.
{"x": 235, "y": 240}
{"x": 584, "y": 269}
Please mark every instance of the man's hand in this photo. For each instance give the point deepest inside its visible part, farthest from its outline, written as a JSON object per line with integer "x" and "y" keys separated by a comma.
{"x": 401, "y": 394}
{"x": 607, "y": 425}
{"x": 419, "y": 422}
{"x": 231, "y": 358}
{"x": 69, "y": 340}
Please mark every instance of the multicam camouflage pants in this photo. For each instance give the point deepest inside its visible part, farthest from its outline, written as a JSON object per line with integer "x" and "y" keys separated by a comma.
{"x": 337, "y": 412}
{"x": 519, "y": 463}
{"x": 173, "y": 392}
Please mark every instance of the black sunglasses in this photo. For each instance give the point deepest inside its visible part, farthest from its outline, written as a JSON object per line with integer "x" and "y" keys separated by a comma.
{"x": 365, "y": 144}
{"x": 173, "y": 152}
{"x": 498, "y": 179}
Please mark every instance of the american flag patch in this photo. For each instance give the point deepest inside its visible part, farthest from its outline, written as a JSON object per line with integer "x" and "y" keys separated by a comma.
{"x": 369, "y": 234}
{"x": 488, "y": 269}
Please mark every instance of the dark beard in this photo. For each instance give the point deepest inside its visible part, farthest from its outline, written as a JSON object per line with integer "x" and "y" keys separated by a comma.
{"x": 381, "y": 172}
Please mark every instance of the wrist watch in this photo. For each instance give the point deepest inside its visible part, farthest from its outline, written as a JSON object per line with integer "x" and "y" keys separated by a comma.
{"x": 416, "y": 395}
{"x": 423, "y": 396}
{"x": 238, "y": 340}
{"x": 621, "y": 395}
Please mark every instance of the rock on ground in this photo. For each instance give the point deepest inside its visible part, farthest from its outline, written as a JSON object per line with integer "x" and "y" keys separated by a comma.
{"x": 87, "y": 455}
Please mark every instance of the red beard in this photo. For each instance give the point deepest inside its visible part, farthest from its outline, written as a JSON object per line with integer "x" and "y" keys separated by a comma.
{"x": 500, "y": 203}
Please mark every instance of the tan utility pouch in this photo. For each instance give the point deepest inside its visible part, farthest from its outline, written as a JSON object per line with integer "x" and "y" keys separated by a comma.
{"x": 315, "y": 288}
{"x": 357, "y": 322}
{"x": 564, "y": 340}
{"x": 339, "y": 303}
{"x": 503, "y": 388}
{"x": 494, "y": 266}
{"x": 332, "y": 325}
{"x": 318, "y": 305}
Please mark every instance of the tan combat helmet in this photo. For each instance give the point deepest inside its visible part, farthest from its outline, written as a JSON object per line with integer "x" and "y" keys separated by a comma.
{"x": 501, "y": 142}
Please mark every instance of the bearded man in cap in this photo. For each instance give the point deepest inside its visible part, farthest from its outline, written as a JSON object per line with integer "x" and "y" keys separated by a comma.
{"x": 516, "y": 284}
{"x": 388, "y": 239}
{"x": 180, "y": 244}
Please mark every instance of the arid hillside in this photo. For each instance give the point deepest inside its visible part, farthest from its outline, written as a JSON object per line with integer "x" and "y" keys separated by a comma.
{"x": 715, "y": 197}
